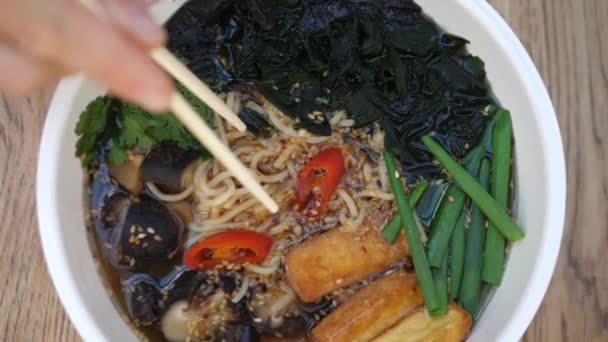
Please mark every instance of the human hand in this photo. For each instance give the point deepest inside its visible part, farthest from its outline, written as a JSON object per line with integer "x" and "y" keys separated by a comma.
{"x": 43, "y": 40}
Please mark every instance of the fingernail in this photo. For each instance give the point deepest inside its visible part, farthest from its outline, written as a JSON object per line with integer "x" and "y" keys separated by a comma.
{"x": 143, "y": 26}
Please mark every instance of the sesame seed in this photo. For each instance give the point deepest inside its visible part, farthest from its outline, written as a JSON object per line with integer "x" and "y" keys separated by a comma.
{"x": 132, "y": 229}
{"x": 339, "y": 281}
{"x": 297, "y": 100}
{"x": 141, "y": 236}
{"x": 311, "y": 116}
{"x": 451, "y": 198}
{"x": 257, "y": 320}
{"x": 151, "y": 230}
{"x": 158, "y": 238}
{"x": 396, "y": 174}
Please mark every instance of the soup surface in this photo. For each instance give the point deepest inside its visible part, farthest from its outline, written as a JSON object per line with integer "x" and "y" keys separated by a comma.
{"x": 333, "y": 93}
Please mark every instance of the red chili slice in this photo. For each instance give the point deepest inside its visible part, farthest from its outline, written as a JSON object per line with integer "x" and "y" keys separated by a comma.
{"x": 234, "y": 247}
{"x": 318, "y": 181}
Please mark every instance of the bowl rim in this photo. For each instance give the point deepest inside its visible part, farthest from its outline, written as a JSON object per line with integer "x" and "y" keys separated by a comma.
{"x": 64, "y": 278}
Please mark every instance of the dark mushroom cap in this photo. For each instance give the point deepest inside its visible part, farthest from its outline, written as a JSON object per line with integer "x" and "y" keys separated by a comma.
{"x": 149, "y": 232}
{"x": 290, "y": 322}
{"x": 240, "y": 332}
{"x": 167, "y": 166}
{"x": 105, "y": 198}
{"x": 181, "y": 284}
{"x": 143, "y": 299}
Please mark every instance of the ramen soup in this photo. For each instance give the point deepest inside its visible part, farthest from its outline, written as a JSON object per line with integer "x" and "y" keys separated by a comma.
{"x": 375, "y": 132}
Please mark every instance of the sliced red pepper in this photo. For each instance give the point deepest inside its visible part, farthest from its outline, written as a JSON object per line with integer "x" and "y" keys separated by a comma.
{"x": 233, "y": 247}
{"x": 318, "y": 181}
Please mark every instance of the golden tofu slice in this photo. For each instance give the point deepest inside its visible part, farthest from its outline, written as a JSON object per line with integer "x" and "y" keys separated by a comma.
{"x": 420, "y": 326}
{"x": 337, "y": 259}
{"x": 371, "y": 310}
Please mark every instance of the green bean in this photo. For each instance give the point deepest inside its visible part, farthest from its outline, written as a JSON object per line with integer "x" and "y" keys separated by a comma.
{"x": 393, "y": 227}
{"x": 421, "y": 264}
{"x": 443, "y": 224}
{"x": 440, "y": 276}
{"x": 471, "y": 277}
{"x": 457, "y": 250}
{"x": 472, "y": 160}
{"x": 494, "y": 254}
{"x": 488, "y": 205}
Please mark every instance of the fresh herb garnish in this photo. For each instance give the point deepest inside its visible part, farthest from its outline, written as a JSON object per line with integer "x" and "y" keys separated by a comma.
{"x": 108, "y": 129}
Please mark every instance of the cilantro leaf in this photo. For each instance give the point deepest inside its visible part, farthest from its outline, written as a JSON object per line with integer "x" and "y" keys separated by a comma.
{"x": 91, "y": 124}
{"x": 109, "y": 129}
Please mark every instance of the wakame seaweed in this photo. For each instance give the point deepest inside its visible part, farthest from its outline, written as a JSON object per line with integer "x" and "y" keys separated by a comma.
{"x": 383, "y": 61}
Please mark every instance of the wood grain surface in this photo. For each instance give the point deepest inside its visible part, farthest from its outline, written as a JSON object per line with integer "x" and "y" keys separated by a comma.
{"x": 568, "y": 41}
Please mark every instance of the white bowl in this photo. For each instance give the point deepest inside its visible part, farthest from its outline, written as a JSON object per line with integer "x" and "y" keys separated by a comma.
{"x": 540, "y": 172}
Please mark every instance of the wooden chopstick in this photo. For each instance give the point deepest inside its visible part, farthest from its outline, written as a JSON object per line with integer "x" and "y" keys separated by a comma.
{"x": 177, "y": 69}
{"x": 193, "y": 122}
{"x": 198, "y": 127}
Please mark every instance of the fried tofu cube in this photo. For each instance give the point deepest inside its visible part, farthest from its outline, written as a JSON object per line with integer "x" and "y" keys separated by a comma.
{"x": 337, "y": 259}
{"x": 371, "y": 310}
{"x": 420, "y": 326}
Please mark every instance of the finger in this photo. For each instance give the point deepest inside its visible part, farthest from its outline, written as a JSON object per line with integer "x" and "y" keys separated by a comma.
{"x": 70, "y": 35}
{"x": 133, "y": 17}
{"x": 21, "y": 73}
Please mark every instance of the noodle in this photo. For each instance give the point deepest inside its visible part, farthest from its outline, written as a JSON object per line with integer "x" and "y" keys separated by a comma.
{"x": 220, "y": 127}
{"x": 280, "y": 161}
{"x": 317, "y": 140}
{"x": 210, "y": 227}
{"x": 278, "y": 177}
{"x": 255, "y": 107}
{"x": 383, "y": 174}
{"x": 367, "y": 172}
{"x": 236, "y": 106}
{"x": 169, "y": 197}
{"x": 223, "y": 204}
{"x": 386, "y": 196}
{"x": 276, "y": 121}
{"x": 279, "y": 228}
{"x": 336, "y": 118}
{"x": 346, "y": 123}
{"x": 292, "y": 171}
{"x": 233, "y": 212}
{"x": 240, "y": 294}
{"x": 221, "y": 198}
{"x": 267, "y": 269}
{"x": 259, "y": 155}
{"x": 350, "y": 204}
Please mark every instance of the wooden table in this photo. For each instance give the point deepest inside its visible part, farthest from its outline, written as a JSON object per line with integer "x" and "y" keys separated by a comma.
{"x": 567, "y": 39}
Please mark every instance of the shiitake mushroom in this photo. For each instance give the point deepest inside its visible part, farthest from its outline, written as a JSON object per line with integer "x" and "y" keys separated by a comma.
{"x": 143, "y": 299}
{"x": 148, "y": 232}
{"x": 169, "y": 167}
{"x": 239, "y": 332}
{"x": 279, "y": 315}
{"x": 181, "y": 284}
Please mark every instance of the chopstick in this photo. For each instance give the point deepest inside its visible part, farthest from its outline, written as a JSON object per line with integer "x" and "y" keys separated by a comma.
{"x": 193, "y": 122}
{"x": 197, "y": 126}
{"x": 175, "y": 68}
